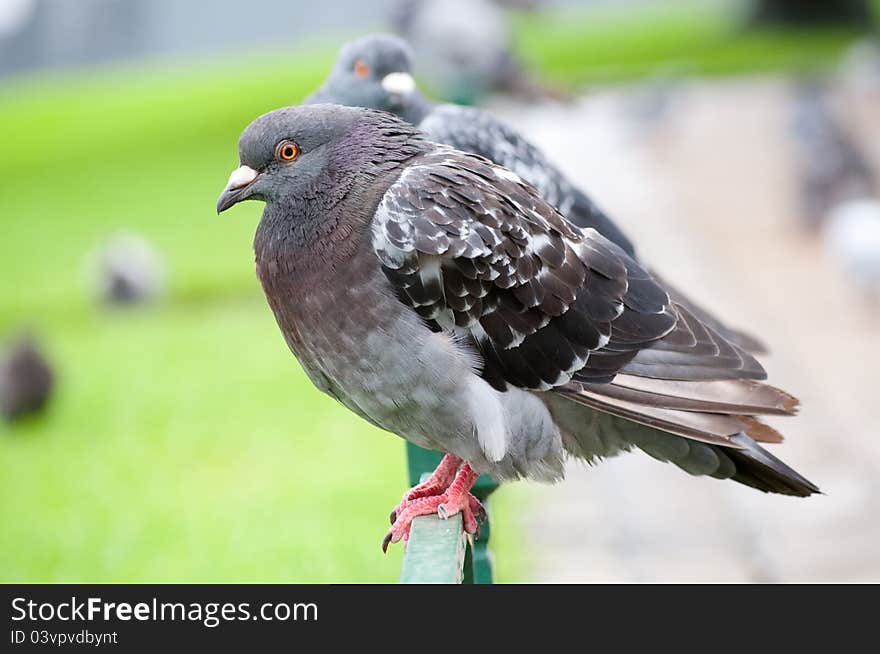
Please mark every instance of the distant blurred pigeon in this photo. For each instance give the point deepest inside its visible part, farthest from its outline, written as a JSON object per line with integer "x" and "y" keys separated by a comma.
{"x": 26, "y": 380}
{"x": 852, "y": 234}
{"x": 439, "y": 297}
{"x": 375, "y": 72}
{"x": 832, "y": 167}
{"x": 463, "y": 48}
{"x": 127, "y": 270}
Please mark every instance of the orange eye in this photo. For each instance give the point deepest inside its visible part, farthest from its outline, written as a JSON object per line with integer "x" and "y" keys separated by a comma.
{"x": 287, "y": 151}
{"x": 361, "y": 68}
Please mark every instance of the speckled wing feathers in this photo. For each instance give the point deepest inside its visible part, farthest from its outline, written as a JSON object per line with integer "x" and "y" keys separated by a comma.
{"x": 550, "y": 306}
{"x": 477, "y": 131}
{"x": 474, "y": 249}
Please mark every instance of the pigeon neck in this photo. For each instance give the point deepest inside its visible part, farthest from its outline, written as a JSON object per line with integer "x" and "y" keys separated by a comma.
{"x": 417, "y": 108}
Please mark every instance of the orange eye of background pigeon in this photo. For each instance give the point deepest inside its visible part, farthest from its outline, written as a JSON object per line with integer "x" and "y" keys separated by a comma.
{"x": 287, "y": 151}
{"x": 361, "y": 69}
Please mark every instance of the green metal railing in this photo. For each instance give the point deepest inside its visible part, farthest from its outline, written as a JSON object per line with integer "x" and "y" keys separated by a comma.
{"x": 439, "y": 551}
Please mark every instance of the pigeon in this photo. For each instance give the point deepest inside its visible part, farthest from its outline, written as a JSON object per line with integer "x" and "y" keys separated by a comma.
{"x": 438, "y": 296}
{"x": 375, "y": 71}
{"x": 26, "y": 380}
{"x": 126, "y": 271}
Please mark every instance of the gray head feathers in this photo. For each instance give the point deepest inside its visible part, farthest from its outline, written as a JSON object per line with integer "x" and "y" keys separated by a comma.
{"x": 374, "y": 71}
{"x": 311, "y": 155}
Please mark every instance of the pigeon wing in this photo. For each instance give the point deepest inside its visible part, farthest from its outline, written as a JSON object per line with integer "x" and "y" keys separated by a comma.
{"x": 476, "y": 251}
{"x": 473, "y": 130}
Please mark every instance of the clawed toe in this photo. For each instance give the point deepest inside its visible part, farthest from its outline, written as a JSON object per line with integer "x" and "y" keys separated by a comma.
{"x": 444, "y": 506}
{"x": 478, "y": 509}
{"x": 431, "y": 498}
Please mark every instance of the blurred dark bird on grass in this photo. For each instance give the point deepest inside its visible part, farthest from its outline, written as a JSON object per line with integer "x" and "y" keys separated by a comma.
{"x": 26, "y": 380}
{"x": 127, "y": 270}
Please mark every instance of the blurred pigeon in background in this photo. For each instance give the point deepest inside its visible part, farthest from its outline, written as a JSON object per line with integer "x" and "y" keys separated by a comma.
{"x": 439, "y": 297}
{"x": 464, "y": 48}
{"x": 375, "y": 71}
{"x": 127, "y": 270}
{"x": 26, "y": 380}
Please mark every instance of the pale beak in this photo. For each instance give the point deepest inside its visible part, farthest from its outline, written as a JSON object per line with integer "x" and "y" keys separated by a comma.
{"x": 399, "y": 83}
{"x": 236, "y": 187}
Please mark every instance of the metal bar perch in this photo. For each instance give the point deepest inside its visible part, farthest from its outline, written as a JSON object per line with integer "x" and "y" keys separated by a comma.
{"x": 439, "y": 551}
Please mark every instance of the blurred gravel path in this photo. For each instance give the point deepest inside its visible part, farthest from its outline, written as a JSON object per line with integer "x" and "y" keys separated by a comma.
{"x": 709, "y": 194}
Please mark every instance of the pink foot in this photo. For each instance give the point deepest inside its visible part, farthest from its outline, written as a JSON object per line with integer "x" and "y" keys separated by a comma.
{"x": 456, "y": 498}
{"x": 439, "y": 481}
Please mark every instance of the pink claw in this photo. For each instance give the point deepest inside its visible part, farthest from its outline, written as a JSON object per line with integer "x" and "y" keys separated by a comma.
{"x": 456, "y": 498}
{"x": 439, "y": 481}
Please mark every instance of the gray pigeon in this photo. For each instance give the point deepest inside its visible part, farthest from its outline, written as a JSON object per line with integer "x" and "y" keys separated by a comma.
{"x": 127, "y": 270}
{"x": 26, "y": 380}
{"x": 439, "y": 297}
{"x": 375, "y": 72}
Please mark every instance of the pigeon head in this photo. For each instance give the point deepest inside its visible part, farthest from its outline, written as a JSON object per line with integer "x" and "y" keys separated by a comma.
{"x": 314, "y": 152}
{"x": 374, "y": 71}
{"x": 285, "y": 150}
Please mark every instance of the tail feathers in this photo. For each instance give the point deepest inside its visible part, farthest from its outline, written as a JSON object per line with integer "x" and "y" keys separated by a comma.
{"x": 731, "y": 396}
{"x": 699, "y": 442}
{"x": 744, "y": 340}
{"x": 708, "y": 427}
{"x": 757, "y": 468}
{"x": 747, "y": 462}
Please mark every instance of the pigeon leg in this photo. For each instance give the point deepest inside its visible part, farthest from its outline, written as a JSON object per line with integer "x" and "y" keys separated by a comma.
{"x": 457, "y": 498}
{"x": 439, "y": 481}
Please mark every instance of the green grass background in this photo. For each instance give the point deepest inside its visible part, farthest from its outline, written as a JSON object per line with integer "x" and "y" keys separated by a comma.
{"x": 184, "y": 443}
